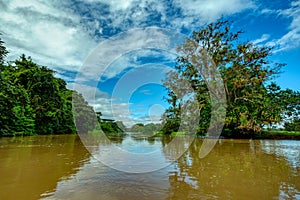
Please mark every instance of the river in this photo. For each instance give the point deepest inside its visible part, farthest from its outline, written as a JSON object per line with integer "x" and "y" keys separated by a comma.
{"x": 60, "y": 167}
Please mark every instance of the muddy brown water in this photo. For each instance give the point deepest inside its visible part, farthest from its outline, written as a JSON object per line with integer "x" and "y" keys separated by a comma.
{"x": 60, "y": 167}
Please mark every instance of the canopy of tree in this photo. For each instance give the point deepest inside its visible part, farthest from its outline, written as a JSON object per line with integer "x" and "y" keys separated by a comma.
{"x": 33, "y": 101}
{"x": 253, "y": 101}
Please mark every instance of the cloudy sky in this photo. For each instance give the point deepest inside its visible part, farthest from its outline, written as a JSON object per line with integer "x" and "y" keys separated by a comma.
{"x": 117, "y": 52}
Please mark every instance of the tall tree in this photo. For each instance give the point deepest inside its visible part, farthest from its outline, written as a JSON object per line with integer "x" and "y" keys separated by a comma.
{"x": 15, "y": 118}
{"x": 245, "y": 71}
{"x": 34, "y": 101}
{"x": 48, "y": 96}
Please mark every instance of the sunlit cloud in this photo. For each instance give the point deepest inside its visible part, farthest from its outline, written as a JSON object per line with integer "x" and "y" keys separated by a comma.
{"x": 263, "y": 38}
{"x": 291, "y": 39}
{"x": 41, "y": 30}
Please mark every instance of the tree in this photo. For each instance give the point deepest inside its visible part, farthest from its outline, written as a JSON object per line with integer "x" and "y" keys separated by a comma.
{"x": 16, "y": 113}
{"x": 3, "y": 51}
{"x": 33, "y": 101}
{"x": 16, "y": 117}
{"x": 294, "y": 125}
{"x": 245, "y": 71}
{"x": 137, "y": 127}
{"x": 84, "y": 115}
{"x": 48, "y": 96}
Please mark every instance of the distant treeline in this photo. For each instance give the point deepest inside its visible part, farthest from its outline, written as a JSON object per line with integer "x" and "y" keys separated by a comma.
{"x": 150, "y": 129}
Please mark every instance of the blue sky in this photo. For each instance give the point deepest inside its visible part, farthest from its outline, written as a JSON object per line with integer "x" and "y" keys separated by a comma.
{"x": 64, "y": 34}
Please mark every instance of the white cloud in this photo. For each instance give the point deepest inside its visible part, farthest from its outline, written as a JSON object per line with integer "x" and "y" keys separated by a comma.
{"x": 103, "y": 102}
{"x": 115, "y": 4}
{"x": 119, "y": 4}
{"x": 110, "y": 107}
{"x": 147, "y": 120}
{"x": 61, "y": 34}
{"x": 41, "y": 30}
{"x": 210, "y": 10}
{"x": 268, "y": 11}
{"x": 291, "y": 39}
{"x": 91, "y": 94}
{"x": 112, "y": 56}
{"x": 263, "y": 38}
{"x": 191, "y": 14}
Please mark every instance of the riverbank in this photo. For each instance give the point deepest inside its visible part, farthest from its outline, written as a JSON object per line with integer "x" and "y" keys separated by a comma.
{"x": 272, "y": 135}
{"x": 279, "y": 135}
{"x": 275, "y": 135}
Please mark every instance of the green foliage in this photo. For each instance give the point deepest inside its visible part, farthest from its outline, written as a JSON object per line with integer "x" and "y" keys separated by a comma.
{"x": 294, "y": 125}
{"x": 16, "y": 113}
{"x": 252, "y": 101}
{"x": 110, "y": 127}
{"x": 137, "y": 127}
{"x": 48, "y": 97}
{"x": 84, "y": 114}
{"x": 277, "y": 134}
{"x": 121, "y": 126}
{"x": 3, "y": 51}
{"x": 150, "y": 128}
{"x": 33, "y": 101}
{"x": 171, "y": 125}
